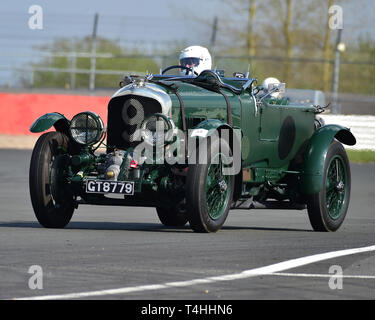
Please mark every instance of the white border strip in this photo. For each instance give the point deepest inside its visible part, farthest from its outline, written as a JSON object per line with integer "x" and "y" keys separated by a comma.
{"x": 267, "y": 270}
{"x": 319, "y": 275}
{"x": 362, "y": 127}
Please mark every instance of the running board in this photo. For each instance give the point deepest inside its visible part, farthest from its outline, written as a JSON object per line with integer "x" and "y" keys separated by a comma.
{"x": 281, "y": 205}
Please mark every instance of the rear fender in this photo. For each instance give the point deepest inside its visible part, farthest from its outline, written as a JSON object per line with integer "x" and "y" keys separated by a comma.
{"x": 315, "y": 155}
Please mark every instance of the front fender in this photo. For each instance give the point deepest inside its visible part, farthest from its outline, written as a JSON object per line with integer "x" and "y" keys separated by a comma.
{"x": 233, "y": 135}
{"x": 43, "y": 123}
{"x": 315, "y": 155}
{"x": 210, "y": 126}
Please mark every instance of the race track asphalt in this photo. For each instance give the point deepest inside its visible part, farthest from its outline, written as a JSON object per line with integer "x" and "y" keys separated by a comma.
{"x": 115, "y": 248}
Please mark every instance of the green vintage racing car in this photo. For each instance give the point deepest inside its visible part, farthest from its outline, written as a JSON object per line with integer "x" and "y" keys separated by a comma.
{"x": 194, "y": 147}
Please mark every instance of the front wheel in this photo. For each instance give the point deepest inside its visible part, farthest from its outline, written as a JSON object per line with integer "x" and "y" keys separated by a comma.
{"x": 327, "y": 209}
{"x": 209, "y": 188}
{"x": 52, "y": 201}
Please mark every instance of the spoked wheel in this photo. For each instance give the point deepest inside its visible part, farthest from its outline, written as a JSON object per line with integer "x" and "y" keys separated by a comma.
{"x": 327, "y": 209}
{"x": 209, "y": 189}
{"x": 217, "y": 189}
{"x": 52, "y": 201}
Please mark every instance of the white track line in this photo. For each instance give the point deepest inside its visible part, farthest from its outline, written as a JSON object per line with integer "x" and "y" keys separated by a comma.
{"x": 267, "y": 270}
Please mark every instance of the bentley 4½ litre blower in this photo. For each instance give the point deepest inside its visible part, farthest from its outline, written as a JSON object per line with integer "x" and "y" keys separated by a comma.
{"x": 194, "y": 146}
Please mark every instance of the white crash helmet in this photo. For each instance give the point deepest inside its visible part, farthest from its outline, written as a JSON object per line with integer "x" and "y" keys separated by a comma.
{"x": 195, "y": 57}
{"x": 267, "y": 82}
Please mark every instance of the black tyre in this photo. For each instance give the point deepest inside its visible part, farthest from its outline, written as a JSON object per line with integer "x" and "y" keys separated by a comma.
{"x": 209, "y": 192}
{"x": 173, "y": 217}
{"x": 51, "y": 199}
{"x": 327, "y": 209}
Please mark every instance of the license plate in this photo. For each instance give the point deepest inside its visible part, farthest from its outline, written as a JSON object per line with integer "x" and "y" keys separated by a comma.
{"x": 102, "y": 186}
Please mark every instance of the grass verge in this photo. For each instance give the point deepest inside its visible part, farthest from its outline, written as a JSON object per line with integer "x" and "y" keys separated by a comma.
{"x": 361, "y": 156}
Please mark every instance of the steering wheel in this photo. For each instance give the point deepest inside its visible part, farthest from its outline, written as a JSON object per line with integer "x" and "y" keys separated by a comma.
{"x": 179, "y": 67}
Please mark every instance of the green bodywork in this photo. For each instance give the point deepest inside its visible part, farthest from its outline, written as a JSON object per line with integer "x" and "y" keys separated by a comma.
{"x": 282, "y": 152}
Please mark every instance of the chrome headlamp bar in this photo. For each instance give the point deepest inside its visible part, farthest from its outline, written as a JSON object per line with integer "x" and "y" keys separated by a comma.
{"x": 157, "y": 127}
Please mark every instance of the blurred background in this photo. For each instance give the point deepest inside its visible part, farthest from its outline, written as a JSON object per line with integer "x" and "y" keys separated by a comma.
{"x": 69, "y": 56}
{"x": 86, "y": 47}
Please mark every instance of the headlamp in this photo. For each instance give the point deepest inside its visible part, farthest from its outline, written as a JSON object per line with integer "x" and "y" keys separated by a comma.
{"x": 86, "y": 128}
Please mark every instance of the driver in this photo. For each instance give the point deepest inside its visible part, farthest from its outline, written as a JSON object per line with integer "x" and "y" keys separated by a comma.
{"x": 195, "y": 57}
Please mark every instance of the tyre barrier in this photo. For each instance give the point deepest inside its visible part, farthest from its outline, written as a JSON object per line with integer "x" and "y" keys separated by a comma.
{"x": 19, "y": 110}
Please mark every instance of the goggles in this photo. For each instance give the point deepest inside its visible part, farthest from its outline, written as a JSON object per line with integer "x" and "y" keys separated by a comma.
{"x": 189, "y": 62}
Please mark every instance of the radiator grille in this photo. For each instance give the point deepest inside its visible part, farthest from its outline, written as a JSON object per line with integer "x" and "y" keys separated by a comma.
{"x": 125, "y": 115}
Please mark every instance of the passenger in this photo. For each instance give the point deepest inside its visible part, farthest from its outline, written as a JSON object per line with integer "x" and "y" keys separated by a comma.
{"x": 265, "y": 86}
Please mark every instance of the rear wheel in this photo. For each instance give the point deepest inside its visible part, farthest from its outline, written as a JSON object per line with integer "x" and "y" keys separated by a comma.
{"x": 209, "y": 190}
{"x": 52, "y": 201}
{"x": 173, "y": 217}
{"x": 327, "y": 209}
